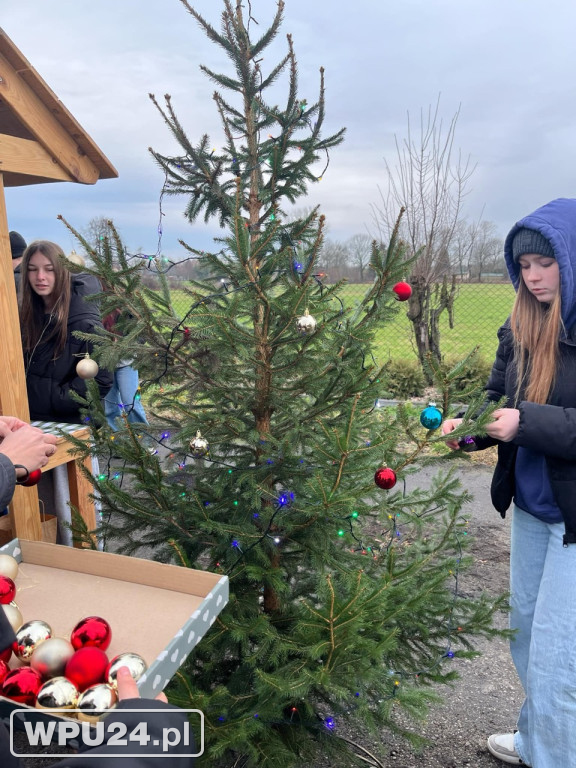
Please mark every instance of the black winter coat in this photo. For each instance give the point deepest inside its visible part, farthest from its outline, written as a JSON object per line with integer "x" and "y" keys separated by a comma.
{"x": 549, "y": 429}
{"x": 50, "y": 382}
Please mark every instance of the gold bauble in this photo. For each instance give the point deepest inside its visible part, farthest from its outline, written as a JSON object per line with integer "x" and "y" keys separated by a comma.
{"x": 51, "y": 656}
{"x": 87, "y": 368}
{"x": 13, "y": 615}
{"x": 199, "y": 446}
{"x": 306, "y": 324}
{"x": 133, "y": 661}
{"x": 58, "y": 693}
{"x": 94, "y": 701}
{"x": 8, "y": 566}
{"x": 29, "y": 637}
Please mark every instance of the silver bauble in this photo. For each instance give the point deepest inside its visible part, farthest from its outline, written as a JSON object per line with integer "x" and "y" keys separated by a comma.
{"x": 199, "y": 446}
{"x": 8, "y": 566}
{"x": 94, "y": 701}
{"x": 306, "y": 324}
{"x": 13, "y": 615}
{"x": 51, "y": 656}
{"x": 87, "y": 368}
{"x": 58, "y": 693}
{"x": 29, "y": 637}
{"x": 133, "y": 661}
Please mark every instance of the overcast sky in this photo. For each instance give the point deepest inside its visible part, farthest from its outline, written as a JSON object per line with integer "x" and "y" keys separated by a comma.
{"x": 508, "y": 64}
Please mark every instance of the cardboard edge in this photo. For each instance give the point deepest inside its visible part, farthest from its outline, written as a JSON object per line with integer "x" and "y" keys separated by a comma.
{"x": 168, "y": 661}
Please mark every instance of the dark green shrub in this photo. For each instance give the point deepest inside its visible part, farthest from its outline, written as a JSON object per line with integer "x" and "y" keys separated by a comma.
{"x": 472, "y": 374}
{"x": 403, "y": 379}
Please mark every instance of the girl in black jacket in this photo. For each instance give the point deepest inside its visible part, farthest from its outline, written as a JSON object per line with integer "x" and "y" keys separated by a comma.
{"x": 535, "y": 370}
{"x": 50, "y": 312}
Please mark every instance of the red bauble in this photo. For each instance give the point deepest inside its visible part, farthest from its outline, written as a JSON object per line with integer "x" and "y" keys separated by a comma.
{"x": 4, "y": 669}
{"x": 402, "y": 290}
{"x": 7, "y": 590}
{"x": 87, "y": 667}
{"x": 385, "y": 478}
{"x": 91, "y": 632}
{"x": 33, "y": 478}
{"x": 22, "y": 685}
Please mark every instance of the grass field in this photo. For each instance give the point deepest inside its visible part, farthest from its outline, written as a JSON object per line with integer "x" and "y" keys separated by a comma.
{"x": 479, "y": 310}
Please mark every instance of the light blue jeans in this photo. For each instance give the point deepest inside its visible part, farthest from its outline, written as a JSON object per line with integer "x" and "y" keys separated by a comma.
{"x": 543, "y": 603}
{"x": 123, "y": 393}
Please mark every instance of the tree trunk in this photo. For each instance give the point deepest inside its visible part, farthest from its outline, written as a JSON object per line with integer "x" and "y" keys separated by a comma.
{"x": 424, "y": 310}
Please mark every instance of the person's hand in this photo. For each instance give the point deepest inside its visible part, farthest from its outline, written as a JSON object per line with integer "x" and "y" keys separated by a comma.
{"x": 10, "y": 423}
{"x": 27, "y": 445}
{"x": 505, "y": 424}
{"x": 448, "y": 426}
{"x": 127, "y": 688}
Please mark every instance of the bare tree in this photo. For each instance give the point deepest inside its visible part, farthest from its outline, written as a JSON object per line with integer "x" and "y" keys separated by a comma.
{"x": 334, "y": 259}
{"x": 487, "y": 252}
{"x": 429, "y": 180}
{"x": 96, "y": 231}
{"x": 359, "y": 248}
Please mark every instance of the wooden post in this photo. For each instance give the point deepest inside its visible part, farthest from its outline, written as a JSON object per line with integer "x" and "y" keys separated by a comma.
{"x": 40, "y": 141}
{"x": 13, "y": 399}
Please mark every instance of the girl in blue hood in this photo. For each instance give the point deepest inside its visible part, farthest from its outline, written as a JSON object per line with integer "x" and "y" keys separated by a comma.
{"x": 535, "y": 369}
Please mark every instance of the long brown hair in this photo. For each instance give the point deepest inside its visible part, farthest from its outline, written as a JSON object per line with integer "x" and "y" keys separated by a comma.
{"x": 536, "y": 329}
{"x": 35, "y": 327}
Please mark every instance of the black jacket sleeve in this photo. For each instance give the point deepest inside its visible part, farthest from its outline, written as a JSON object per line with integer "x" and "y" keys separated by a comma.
{"x": 547, "y": 429}
{"x": 7, "y": 481}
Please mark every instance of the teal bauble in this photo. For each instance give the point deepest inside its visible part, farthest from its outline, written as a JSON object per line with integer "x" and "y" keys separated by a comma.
{"x": 431, "y": 418}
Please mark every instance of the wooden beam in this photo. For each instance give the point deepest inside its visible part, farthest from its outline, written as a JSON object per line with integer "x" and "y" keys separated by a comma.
{"x": 27, "y": 157}
{"x": 13, "y": 397}
{"x": 44, "y": 126}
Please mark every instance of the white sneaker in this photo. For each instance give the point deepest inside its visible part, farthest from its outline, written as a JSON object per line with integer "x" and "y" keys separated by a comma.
{"x": 501, "y": 745}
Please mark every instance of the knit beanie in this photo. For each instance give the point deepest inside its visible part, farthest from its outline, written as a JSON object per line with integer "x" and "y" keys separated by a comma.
{"x": 530, "y": 241}
{"x": 17, "y": 244}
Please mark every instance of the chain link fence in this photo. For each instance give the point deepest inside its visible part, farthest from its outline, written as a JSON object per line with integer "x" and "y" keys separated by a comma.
{"x": 479, "y": 310}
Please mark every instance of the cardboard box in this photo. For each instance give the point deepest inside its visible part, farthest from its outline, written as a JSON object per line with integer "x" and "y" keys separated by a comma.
{"x": 158, "y": 611}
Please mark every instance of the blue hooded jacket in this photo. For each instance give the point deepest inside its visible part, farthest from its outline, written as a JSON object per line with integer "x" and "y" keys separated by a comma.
{"x": 556, "y": 221}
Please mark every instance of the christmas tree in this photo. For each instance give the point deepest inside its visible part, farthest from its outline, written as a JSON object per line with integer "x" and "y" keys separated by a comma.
{"x": 344, "y": 591}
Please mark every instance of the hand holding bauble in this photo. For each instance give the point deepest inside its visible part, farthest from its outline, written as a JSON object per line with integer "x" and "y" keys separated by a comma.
{"x": 87, "y": 368}
{"x": 94, "y": 701}
{"x": 91, "y": 631}
{"x": 135, "y": 663}
{"x": 51, "y": 657}
{"x": 58, "y": 693}
{"x": 33, "y": 478}
{"x": 8, "y": 566}
{"x": 29, "y": 637}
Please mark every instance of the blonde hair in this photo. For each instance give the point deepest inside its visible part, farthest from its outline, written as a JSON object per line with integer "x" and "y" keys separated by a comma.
{"x": 536, "y": 329}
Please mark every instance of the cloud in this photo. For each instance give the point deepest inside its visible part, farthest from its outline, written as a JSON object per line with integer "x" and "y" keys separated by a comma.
{"x": 509, "y": 65}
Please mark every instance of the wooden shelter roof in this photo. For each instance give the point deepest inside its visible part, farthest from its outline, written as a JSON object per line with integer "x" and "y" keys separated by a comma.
{"x": 40, "y": 140}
